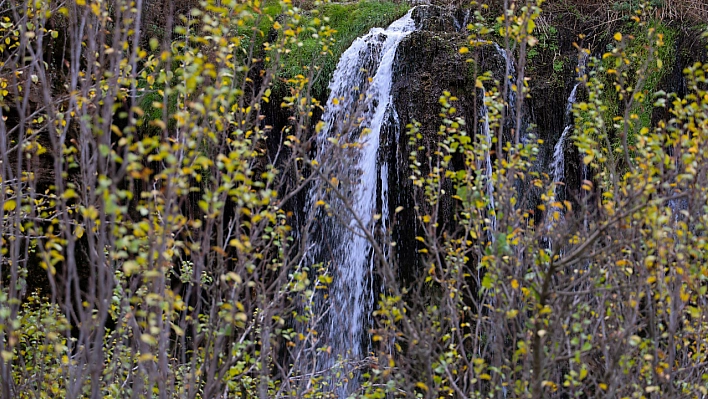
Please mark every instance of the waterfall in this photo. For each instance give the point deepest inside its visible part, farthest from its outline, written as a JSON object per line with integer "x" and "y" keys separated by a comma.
{"x": 358, "y": 107}
{"x": 488, "y": 170}
{"x": 558, "y": 164}
{"x": 487, "y": 133}
{"x": 461, "y": 25}
{"x": 510, "y": 71}
{"x": 395, "y": 124}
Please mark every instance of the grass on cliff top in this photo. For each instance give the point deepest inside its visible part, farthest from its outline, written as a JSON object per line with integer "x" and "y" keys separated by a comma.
{"x": 350, "y": 20}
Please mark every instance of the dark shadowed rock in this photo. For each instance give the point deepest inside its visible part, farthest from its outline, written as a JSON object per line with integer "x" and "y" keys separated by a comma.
{"x": 428, "y": 63}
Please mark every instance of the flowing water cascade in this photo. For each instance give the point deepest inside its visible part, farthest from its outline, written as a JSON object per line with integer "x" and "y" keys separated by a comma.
{"x": 584, "y": 176}
{"x": 487, "y": 132}
{"x": 359, "y": 106}
{"x": 509, "y": 83}
{"x": 461, "y": 25}
{"x": 558, "y": 163}
{"x": 488, "y": 170}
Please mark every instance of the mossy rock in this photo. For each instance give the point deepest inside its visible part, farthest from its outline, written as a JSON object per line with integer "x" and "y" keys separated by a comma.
{"x": 433, "y": 18}
{"x": 428, "y": 63}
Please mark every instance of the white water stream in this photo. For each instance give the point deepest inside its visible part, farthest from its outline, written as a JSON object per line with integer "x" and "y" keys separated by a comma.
{"x": 558, "y": 164}
{"x": 359, "y": 105}
{"x": 488, "y": 167}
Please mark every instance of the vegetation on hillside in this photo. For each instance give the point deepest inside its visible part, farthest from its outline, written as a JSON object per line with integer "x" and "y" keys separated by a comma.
{"x": 151, "y": 233}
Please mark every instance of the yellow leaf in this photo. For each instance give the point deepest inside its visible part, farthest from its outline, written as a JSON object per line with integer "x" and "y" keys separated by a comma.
{"x": 684, "y": 295}
{"x": 146, "y": 357}
{"x": 514, "y": 284}
{"x": 464, "y": 50}
{"x": 70, "y": 193}
{"x": 550, "y": 385}
{"x": 9, "y": 206}
{"x": 148, "y": 339}
{"x": 649, "y": 261}
{"x": 622, "y": 262}
{"x": 421, "y": 385}
{"x": 130, "y": 267}
{"x": 618, "y": 36}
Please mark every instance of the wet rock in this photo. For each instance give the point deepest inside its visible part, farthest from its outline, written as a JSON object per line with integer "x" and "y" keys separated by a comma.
{"x": 433, "y": 18}
{"x": 428, "y": 63}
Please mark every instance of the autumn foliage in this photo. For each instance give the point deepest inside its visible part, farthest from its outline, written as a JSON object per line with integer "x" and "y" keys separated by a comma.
{"x": 151, "y": 244}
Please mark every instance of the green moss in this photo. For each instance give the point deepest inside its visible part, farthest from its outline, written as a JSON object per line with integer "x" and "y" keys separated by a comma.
{"x": 350, "y": 21}
{"x": 660, "y": 65}
{"x": 545, "y": 61}
{"x": 558, "y": 65}
{"x": 656, "y": 73}
{"x": 152, "y": 113}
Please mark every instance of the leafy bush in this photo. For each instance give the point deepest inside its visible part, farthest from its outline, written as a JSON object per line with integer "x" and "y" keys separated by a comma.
{"x": 176, "y": 265}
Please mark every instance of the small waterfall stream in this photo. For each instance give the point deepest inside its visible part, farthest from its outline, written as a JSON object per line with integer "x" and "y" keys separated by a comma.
{"x": 488, "y": 134}
{"x": 462, "y": 21}
{"x": 359, "y": 106}
{"x": 509, "y": 83}
{"x": 488, "y": 167}
{"x": 558, "y": 164}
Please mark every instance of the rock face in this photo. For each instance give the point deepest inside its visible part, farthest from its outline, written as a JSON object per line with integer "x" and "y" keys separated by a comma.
{"x": 427, "y": 64}
{"x": 384, "y": 81}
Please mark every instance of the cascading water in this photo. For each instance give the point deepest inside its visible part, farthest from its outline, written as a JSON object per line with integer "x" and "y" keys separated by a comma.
{"x": 488, "y": 170}
{"x": 462, "y": 21}
{"x": 509, "y": 83}
{"x": 558, "y": 164}
{"x": 358, "y": 107}
{"x": 510, "y": 70}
